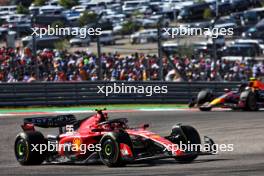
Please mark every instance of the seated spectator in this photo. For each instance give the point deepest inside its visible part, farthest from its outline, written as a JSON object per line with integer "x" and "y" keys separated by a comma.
{"x": 33, "y": 78}
{"x": 82, "y": 66}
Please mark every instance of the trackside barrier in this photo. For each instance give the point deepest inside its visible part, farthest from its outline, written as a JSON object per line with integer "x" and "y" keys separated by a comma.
{"x": 79, "y": 93}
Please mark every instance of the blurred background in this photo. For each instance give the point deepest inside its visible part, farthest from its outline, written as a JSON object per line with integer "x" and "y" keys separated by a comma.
{"x": 132, "y": 46}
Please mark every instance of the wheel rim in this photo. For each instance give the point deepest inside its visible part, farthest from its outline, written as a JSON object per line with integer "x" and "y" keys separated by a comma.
{"x": 108, "y": 151}
{"x": 21, "y": 150}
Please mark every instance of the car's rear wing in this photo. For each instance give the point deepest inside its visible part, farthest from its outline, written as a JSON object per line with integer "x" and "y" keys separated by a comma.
{"x": 51, "y": 121}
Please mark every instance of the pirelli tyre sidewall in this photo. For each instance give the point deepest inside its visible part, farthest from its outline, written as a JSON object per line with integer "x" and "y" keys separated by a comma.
{"x": 191, "y": 137}
{"x": 24, "y": 148}
{"x": 110, "y": 151}
{"x": 204, "y": 96}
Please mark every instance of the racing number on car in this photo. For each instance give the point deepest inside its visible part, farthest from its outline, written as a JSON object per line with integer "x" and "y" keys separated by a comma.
{"x": 69, "y": 129}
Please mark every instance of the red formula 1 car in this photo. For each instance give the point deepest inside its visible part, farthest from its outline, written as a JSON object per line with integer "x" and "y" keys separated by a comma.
{"x": 248, "y": 97}
{"x": 97, "y": 138}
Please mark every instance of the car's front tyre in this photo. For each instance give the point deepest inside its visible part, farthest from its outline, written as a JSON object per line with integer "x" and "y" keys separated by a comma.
{"x": 206, "y": 108}
{"x": 204, "y": 96}
{"x": 187, "y": 135}
{"x": 110, "y": 148}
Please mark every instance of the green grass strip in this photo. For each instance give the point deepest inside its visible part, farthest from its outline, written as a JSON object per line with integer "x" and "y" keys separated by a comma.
{"x": 93, "y": 107}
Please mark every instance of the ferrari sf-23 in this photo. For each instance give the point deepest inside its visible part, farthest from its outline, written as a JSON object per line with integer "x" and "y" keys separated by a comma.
{"x": 119, "y": 144}
{"x": 249, "y": 96}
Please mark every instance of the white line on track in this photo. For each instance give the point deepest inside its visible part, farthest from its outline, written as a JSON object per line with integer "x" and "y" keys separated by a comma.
{"x": 116, "y": 111}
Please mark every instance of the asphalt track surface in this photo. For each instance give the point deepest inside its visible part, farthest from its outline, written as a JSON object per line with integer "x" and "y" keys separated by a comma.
{"x": 243, "y": 129}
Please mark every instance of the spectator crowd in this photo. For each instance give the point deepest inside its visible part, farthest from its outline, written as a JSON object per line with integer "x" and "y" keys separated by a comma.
{"x": 18, "y": 65}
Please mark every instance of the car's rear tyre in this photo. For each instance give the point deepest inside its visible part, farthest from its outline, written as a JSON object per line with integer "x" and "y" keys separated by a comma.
{"x": 192, "y": 137}
{"x": 110, "y": 151}
{"x": 250, "y": 100}
{"x": 25, "y": 152}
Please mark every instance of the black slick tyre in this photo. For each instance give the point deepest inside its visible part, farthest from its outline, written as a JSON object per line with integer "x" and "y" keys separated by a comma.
{"x": 110, "y": 148}
{"x": 192, "y": 137}
{"x": 24, "y": 152}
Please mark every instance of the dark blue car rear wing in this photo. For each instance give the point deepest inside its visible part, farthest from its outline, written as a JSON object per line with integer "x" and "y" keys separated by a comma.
{"x": 51, "y": 121}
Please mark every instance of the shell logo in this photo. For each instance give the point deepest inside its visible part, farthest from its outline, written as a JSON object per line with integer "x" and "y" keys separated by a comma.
{"x": 77, "y": 143}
